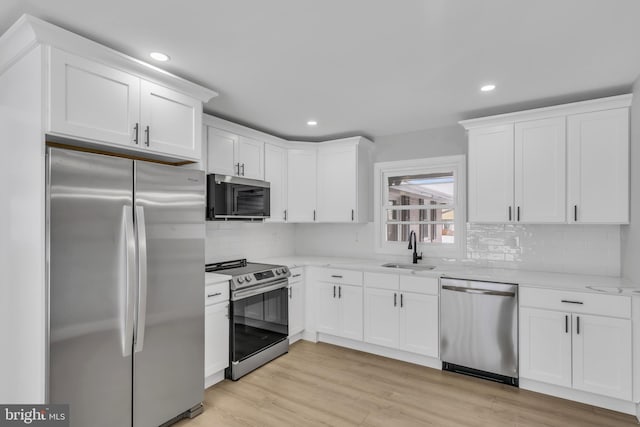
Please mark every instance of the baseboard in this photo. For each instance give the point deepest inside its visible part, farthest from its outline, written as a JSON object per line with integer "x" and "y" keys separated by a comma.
{"x": 295, "y": 337}
{"x": 581, "y": 396}
{"x": 309, "y": 336}
{"x": 213, "y": 379}
{"x": 638, "y": 411}
{"x": 391, "y": 353}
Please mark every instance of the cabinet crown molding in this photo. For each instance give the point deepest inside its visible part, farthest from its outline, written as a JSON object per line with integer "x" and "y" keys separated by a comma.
{"x": 620, "y": 101}
{"x": 29, "y": 31}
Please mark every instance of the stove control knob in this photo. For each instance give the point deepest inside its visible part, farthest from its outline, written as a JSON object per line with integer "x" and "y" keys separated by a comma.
{"x": 247, "y": 278}
{"x": 278, "y": 271}
{"x": 240, "y": 279}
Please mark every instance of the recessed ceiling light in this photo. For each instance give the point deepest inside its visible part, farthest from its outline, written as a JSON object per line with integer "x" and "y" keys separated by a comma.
{"x": 159, "y": 56}
{"x": 487, "y": 88}
{"x": 312, "y": 123}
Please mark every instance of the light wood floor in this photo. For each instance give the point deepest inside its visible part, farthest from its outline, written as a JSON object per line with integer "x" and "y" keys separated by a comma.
{"x": 324, "y": 385}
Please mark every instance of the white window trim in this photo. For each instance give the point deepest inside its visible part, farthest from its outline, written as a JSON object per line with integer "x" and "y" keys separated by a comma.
{"x": 456, "y": 164}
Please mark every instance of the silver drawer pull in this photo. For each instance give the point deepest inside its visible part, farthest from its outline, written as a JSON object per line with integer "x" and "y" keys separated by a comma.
{"x": 217, "y": 294}
{"x": 297, "y": 275}
{"x": 336, "y": 276}
{"x": 478, "y": 291}
{"x": 571, "y": 302}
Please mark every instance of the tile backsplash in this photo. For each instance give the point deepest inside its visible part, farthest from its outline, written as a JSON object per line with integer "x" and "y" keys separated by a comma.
{"x": 586, "y": 249}
{"x": 234, "y": 240}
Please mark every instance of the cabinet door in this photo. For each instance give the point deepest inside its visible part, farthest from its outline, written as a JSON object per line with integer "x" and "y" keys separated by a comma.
{"x": 598, "y": 167}
{"x": 602, "y": 355}
{"x": 327, "y": 308}
{"x": 216, "y": 338}
{"x": 275, "y": 172}
{"x": 350, "y": 311}
{"x": 301, "y": 185}
{"x": 337, "y": 175}
{"x": 250, "y": 156}
{"x": 171, "y": 122}
{"x": 381, "y": 317}
{"x": 92, "y": 101}
{"x": 545, "y": 346}
{"x": 296, "y": 308}
{"x": 491, "y": 174}
{"x": 540, "y": 175}
{"x": 220, "y": 152}
{"x": 419, "y": 330}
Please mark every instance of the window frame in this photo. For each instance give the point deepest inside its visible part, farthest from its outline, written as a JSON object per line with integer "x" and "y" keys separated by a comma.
{"x": 382, "y": 170}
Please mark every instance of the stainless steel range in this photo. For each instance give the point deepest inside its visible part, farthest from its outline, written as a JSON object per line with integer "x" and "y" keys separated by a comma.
{"x": 258, "y": 312}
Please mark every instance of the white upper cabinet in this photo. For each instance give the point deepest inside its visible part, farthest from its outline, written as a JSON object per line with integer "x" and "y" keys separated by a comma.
{"x": 567, "y": 163}
{"x": 275, "y": 172}
{"x": 172, "y": 122}
{"x": 231, "y": 154}
{"x": 221, "y": 147}
{"x": 93, "y": 101}
{"x": 101, "y": 104}
{"x": 598, "y": 167}
{"x": 301, "y": 185}
{"x": 491, "y": 174}
{"x": 540, "y": 171}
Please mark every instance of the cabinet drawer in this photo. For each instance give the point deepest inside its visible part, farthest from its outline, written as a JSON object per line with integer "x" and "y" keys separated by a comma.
{"x": 297, "y": 274}
{"x": 216, "y": 293}
{"x": 576, "y": 302}
{"x": 337, "y": 275}
{"x": 419, "y": 284}
{"x": 381, "y": 280}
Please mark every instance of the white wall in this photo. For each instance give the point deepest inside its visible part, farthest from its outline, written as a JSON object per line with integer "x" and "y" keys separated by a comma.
{"x": 631, "y": 232}
{"x": 445, "y": 141}
{"x": 234, "y": 240}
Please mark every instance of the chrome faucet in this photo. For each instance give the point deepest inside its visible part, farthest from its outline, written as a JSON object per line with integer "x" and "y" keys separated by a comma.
{"x": 416, "y": 257}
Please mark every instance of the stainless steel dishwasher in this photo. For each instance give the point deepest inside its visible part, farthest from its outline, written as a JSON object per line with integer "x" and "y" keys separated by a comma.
{"x": 479, "y": 329}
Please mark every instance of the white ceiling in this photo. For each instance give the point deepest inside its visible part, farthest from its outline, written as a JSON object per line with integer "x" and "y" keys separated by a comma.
{"x": 372, "y": 67}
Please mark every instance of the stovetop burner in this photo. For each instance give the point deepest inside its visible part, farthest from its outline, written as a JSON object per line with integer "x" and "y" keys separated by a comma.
{"x": 247, "y": 274}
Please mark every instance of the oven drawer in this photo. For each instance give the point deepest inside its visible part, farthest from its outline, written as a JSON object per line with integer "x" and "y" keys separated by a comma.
{"x": 576, "y": 302}
{"x": 216, "y": 293}
{"x": 340, "y": 276}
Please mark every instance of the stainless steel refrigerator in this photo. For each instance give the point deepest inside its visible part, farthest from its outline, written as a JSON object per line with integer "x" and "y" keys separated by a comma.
{"x": 126, "y": 289}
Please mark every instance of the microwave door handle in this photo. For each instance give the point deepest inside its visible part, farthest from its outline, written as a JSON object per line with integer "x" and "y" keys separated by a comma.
{"x": 142, "y": 279}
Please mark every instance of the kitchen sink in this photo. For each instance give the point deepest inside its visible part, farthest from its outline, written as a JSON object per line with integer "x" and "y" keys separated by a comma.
{"x": 416, "y": 267}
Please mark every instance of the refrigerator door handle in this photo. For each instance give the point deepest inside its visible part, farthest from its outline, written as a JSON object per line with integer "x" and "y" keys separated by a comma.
{"x": 130, "y": 280}
{"x": 142, "y": 279}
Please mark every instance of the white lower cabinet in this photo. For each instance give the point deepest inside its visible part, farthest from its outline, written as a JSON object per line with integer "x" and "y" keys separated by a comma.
{"x": 585, "y": 352}
{"x": 399, "y": 319}
{"x": 339, "y": 309}
{"x": 216, "y": 338}
{"x": 296, "y": 307}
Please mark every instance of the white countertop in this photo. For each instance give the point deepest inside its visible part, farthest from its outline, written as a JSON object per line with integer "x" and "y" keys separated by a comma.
{"x": 563, "y": 281}
{"x": 213, "y": 278}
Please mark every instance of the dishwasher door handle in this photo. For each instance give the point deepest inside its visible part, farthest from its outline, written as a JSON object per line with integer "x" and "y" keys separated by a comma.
{"x": 478, "y": 291}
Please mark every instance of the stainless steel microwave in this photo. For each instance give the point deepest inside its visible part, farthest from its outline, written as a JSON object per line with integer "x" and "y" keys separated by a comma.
{"x": 235, "y": 198}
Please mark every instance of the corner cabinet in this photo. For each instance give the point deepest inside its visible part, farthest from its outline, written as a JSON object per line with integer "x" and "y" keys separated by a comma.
{"x": 567, "y": 163}
{"x": 275, "y": 172}
{"x": 106, "y": 106}
{"x": 301, "y": 184}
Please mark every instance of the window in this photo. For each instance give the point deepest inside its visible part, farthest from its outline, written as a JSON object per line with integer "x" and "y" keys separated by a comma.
{"x": 425, "y": 196}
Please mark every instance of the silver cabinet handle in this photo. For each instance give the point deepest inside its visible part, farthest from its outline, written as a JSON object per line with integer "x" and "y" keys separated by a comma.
{"x": 509, "y": 213}
{"x": 336, "y": 276}
{"x": 297, "y": 275}
{"x": 575, "y": 213}
{"x": 518, "y": 213}
{"x": 136, "y": 128}
{"x": 147, "y": 137}
{"x": 142, "y": 279}
{"x": 243, "y": 169}
{"x": 217, "y": 294}
{"x": 401, "y": 300}
{"x": 566, "y": 301}
{"x": 130, "y": 251}
{"x": 237, "y": 165}
{"x": 339, "y": 291}
{"x": 566, "y": 324}
{"x": 478, "y": 291}
{"x": 395, "y": 299}
{"x": 334, "y": 291}
{"x": 352, "y": 215}
{"x": 314, "y": 214}
{"x": 285, "y": 214}
{"x": 578, "y": 325}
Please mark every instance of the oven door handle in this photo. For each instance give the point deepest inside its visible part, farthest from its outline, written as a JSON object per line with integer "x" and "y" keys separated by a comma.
{"x": 242, "y": 294}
